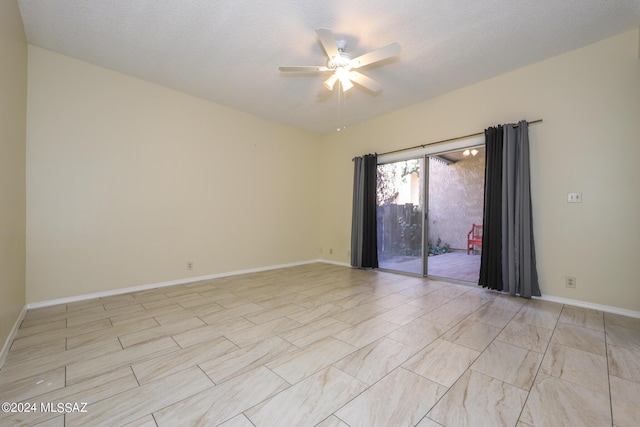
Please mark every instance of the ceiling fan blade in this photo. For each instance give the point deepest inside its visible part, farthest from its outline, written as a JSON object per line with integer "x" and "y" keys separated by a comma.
{"x": 364, "y": 81}
{"x": 304, "y": 69}
{"x": 376, "y": 55}
{"x": 328, "y": 42}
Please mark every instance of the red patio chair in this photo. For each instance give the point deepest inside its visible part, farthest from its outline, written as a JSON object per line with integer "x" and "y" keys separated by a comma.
{"x": 474, "y": 237}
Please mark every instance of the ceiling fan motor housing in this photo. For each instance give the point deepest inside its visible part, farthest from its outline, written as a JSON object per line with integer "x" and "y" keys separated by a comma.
{"x": 344, "y": 61}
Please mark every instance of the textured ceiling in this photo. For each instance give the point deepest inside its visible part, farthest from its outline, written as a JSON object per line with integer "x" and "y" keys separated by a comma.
{"x": 229, "y": 51}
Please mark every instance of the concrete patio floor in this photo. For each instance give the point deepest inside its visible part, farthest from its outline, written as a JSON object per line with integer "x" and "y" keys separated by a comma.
{"x": 452, "y": 265}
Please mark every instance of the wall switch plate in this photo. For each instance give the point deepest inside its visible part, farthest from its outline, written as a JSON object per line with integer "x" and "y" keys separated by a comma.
{"x": 574, "y": 197}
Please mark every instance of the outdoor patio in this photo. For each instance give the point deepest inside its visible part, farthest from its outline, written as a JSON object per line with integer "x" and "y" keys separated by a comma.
{"x": 453, "y": 265}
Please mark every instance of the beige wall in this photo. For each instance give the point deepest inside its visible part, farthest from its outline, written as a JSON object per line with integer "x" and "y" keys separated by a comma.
{"x": 13, "y": 87}
{"x": 128, "y": 181}
{"x": 589, "y": 141}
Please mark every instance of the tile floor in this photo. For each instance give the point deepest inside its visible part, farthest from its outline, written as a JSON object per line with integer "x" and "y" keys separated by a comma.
{"x": 324, "y": 345}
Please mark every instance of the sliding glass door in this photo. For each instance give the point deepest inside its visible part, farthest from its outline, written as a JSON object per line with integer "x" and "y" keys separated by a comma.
{"x": 400, "y": 198}
{"x": 449, "y": 188}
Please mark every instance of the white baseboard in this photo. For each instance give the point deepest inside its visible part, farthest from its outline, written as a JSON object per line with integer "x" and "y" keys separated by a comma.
{"x": 593, "y": 306}
{"x": 327, "y": 261}
{"x": 40, "y": 304}
{"x": 48, "y": 303}
{"x": 12, "y": 335}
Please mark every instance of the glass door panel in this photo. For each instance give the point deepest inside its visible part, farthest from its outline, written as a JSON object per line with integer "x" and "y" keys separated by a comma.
{"x": 400, "y": 198}
{"x": 455, "y": 202}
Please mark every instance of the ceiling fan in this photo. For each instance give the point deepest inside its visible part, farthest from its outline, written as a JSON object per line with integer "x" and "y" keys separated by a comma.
{"x": 342, "y": 66}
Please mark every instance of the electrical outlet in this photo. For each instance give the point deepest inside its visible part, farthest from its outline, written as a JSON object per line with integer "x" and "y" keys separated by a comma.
{"x": 189, "y": 265}
{"x": 330, "y": 251}
{"x": 574, "y": 197}
{"x": 570, "y": 282}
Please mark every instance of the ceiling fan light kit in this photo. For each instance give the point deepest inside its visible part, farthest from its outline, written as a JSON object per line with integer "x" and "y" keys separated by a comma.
{"x": 341, "y": 64}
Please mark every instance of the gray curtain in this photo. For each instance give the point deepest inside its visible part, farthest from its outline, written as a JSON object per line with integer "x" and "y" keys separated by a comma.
{"x": 356, "y": 212}
{"x": 518, "y": 250}
{"x": 491, "y": 260}
{"x": 364, "y": 235}
{"x": 515, "y": 247}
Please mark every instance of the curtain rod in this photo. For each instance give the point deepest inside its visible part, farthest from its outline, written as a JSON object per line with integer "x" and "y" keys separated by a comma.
{"x": 443, "y": 141}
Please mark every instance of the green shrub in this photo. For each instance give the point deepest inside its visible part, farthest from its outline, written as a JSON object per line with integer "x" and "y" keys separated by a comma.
{"x": 439, "y": 248}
